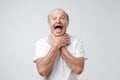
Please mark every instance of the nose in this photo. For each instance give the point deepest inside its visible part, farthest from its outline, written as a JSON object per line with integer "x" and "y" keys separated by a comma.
{"x": 58, "y": 20}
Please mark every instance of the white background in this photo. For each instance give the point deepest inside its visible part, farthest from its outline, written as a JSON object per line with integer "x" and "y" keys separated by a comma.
{"x": 23, "y": 22}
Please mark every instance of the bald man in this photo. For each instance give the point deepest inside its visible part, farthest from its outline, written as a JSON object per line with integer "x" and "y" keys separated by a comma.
{"x": 59, "y": 56}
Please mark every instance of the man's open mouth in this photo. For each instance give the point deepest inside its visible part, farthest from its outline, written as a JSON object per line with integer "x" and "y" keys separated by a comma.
{"x": 58, "y": 26}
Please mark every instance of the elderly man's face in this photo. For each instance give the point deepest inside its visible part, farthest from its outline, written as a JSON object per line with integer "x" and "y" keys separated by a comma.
{"x": 58, "y": 22}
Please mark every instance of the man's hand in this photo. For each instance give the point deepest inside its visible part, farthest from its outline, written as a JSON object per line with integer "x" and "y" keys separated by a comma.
{"x": 59, "y": 41}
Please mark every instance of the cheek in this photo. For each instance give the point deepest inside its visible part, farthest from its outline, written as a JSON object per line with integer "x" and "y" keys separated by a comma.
{"x": 66, "y": 23}
{"x": 50, "y": 25}
{"x": 64, "y": 29}
{"x": 52, "y": 28}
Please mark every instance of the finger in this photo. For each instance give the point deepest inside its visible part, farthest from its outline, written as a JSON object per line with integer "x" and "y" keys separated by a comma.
{"x": 50, "y": 37}
{"x": 68, "y": 41}
{"x": 67, "y": 36}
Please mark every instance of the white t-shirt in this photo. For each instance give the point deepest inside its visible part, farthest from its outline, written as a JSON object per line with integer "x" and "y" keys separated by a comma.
{"x": 61, "y": 70}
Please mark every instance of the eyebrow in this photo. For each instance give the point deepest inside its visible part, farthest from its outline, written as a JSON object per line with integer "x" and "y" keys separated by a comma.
{"x": 62, "y": 15}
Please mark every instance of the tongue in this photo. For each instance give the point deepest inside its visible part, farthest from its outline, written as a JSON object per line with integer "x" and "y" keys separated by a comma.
{"x": 58, "y": 30}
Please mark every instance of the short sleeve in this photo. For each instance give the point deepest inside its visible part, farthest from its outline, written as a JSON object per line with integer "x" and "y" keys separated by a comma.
{"x": 40, "y": 49}
{"x": 79, "y": 49}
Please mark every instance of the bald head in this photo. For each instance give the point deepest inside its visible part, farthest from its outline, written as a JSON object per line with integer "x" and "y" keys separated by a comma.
{"x": 58, "y": 9}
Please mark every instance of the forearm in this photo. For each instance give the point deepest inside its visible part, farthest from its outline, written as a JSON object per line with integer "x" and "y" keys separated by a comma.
{"x": 76, "y": 64}
{"x": 45, "y": 64}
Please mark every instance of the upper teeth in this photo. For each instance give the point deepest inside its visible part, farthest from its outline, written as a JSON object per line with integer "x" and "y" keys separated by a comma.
{"x": 58, "y": 25}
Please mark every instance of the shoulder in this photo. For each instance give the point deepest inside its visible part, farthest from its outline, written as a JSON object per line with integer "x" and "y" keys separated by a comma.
{"x": 41, "y": 41}
{"x": 75, "y": 38}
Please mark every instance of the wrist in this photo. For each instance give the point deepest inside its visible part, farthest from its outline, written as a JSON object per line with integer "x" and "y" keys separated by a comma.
{"x": 56, "y": 46}
{"x": 62, "y": 48}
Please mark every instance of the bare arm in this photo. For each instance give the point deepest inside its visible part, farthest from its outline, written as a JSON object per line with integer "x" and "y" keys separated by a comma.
{"x": 76, "y": 64}
{"x": 45, "y": 64}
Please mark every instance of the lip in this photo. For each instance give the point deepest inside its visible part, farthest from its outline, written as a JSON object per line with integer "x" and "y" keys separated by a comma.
{"x": 58, "y": 26}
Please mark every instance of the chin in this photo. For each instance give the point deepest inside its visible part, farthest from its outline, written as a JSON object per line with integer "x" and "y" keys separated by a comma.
{"x": 59, "y": 34}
